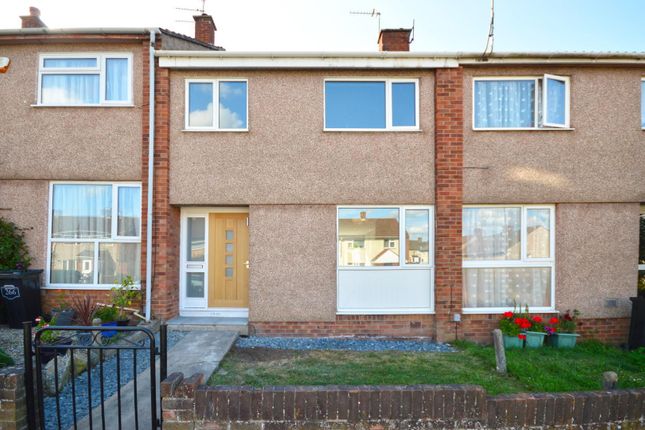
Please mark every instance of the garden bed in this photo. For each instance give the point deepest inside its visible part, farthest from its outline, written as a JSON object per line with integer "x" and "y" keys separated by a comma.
{"x": 541, "y": 370}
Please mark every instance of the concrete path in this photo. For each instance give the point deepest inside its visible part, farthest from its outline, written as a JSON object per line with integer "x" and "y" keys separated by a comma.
{"x": 198, "y": 352}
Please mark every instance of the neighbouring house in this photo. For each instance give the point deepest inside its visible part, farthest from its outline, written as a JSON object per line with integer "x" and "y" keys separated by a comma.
{"x": 74, "y": 148}
{"x": 380, "y": 193}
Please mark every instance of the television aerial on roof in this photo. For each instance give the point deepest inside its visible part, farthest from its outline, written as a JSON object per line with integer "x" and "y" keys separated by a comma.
{"x": 202, "y": 11}
{"x": 373, "y": 13}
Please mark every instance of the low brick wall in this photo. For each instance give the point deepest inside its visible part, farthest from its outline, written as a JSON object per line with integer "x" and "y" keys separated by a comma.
{"x": 187, "y": 404}
{"x": 13, "y": 407}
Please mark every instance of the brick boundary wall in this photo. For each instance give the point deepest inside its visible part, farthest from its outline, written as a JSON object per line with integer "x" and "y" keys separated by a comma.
{"x": 13, "y": 406}
{"x": 449, "y": 190}
{"x": 187, "y": 404}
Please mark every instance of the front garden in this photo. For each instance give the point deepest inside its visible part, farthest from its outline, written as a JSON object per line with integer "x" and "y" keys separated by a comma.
{"x": 545, "y": 369}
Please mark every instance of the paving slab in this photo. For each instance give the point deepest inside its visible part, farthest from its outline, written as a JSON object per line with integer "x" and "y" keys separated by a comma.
{"x": 200, "y": 351}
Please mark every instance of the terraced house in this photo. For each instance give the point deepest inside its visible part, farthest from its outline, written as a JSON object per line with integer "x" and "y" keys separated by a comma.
{"x": 376, "y": 193}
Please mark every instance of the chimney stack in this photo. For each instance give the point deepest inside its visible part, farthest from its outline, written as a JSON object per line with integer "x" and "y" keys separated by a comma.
{"x": 205, "y": 28}
{"x": 394, "y": 39}
{"x": 33, "y": 19}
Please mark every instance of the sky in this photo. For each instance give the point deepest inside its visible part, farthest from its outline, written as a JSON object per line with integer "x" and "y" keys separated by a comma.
{"x": 327, "y": 25}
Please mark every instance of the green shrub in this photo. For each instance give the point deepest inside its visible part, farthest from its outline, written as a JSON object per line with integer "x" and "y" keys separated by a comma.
{"x": 107, "y": 313}
{"x": 14, "y": 253}
{"x": 5, "y": 359}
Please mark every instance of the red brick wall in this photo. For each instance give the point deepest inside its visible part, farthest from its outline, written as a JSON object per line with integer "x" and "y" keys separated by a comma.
{"x": 347, "y": 325}
{"x": 165, "y": 229}
{"x": 449, "y": 150}
{"x": 607, "y": 330}
{"x": 204, "y": 28}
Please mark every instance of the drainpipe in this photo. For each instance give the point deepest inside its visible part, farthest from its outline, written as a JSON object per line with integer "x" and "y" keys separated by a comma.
{"x": 151, "y": 166}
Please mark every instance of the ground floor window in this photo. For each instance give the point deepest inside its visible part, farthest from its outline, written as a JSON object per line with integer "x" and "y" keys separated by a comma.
{"x": 385, "y": 262}
{"x": 508, "y": 257}
{"x": 94, "y": 234}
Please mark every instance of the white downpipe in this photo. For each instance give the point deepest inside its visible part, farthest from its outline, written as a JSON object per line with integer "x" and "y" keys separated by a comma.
{"x": 151, "y": 166}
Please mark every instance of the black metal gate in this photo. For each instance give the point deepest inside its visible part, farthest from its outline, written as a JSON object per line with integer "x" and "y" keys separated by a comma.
{"x": 98, "y": 363}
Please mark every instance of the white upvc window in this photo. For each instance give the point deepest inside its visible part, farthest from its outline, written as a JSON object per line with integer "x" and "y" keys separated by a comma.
{"x": 385, "y": 259}
{"x": 94, "y": 234}
{"x": 356, "y": 104}
{"x": 216, "y": 105}
{"x": 85, "y": 79}
{"x": 643, "y": 103}
{"x": 508, "y": 257}
{"x": 521, "y": 103}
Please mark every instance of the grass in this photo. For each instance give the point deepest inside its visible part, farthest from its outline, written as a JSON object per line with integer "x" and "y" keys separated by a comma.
{"x": 540, "y": 370}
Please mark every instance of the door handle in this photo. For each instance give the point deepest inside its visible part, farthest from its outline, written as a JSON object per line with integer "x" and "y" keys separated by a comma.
{"x": 246, "y": 264}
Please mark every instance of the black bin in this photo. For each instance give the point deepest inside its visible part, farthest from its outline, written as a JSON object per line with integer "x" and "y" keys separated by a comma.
{"x": 20, "y": 292}
{"x": 637, "y": 326}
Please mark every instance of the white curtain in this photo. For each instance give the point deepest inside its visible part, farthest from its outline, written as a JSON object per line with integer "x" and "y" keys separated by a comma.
{"x": 129, "y": 212}
{"x": 506, "y": 287}
{"x": 82, "y": 211}
{"x": 500, "y": 104}
{"x": 116, "y": 79}
{"x": 70, "y": 89}
{"x": 491, "y": 234}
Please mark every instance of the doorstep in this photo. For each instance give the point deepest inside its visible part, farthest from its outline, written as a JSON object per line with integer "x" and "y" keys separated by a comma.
{"x": 238, "y": 325}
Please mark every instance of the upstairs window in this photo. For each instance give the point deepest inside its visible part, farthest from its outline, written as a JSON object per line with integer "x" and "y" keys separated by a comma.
{"x": 521, "y": 103}
{"x": 85, "y": 79}
{"x": 643, "y": 103}
{"x": 229, "y": 113}
{"x": 391, "y": 104}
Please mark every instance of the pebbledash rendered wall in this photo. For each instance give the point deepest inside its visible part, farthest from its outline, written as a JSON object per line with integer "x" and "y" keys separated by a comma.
{"x": 188, "y": 405}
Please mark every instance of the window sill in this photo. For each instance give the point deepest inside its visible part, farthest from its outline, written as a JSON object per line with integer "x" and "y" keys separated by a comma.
{"x": 83, "y": 106}
{"x": 84, "y": 287}
{"x": 525, "y": 129}
{"x": 499, "y": 311}
{"x": 214, "y": 130}
{"x": 372, "y": 130}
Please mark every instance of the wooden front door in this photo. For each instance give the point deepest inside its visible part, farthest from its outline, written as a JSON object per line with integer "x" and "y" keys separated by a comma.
{"x": 228, "y": 261}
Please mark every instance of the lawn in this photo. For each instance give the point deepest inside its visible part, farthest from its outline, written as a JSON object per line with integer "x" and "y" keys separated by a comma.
{"x": 540, "y": 370}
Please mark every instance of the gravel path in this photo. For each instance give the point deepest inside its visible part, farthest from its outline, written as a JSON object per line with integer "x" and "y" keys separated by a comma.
{"x": 109, "y": 385}
{"x": 11, "y": 343}
{"x": 342, "y": 344}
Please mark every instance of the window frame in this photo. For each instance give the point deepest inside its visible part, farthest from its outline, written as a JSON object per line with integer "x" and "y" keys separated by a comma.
{"x": 114, "y": 238}
{"x": 215, "y": 83}
{"x": 540, "y": 100}
{"x": 523, "y": 262}
{"x": 642, "y": 103}
{"x": 100, "y": 70}
{"x": 402, "y": 249}
{"x": 545, "y": 100}
{"x": 388, "y": 103}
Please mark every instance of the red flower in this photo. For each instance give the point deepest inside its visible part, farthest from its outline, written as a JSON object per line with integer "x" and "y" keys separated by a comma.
{"x": 537, "y": 319}
{"x": 525, "y": 325}
{"x": 518, "y": 321}
{"x": 521, "y": 336}
{"x": 508, "y": 314}
{"x": 553, "y": 320}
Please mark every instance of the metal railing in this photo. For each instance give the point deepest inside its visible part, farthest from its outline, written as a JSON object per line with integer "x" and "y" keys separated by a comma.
{"x": 96, "y": 346}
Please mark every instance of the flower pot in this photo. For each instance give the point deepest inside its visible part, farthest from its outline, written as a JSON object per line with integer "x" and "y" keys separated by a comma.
{"x": 47, "y": 353}
{"x": 513, "y": 342}
{"x": 123, "y": 323}
{"x": 534, "y": 339}
{"x": 564, "y": 340}
{"x": 109, "y": 333}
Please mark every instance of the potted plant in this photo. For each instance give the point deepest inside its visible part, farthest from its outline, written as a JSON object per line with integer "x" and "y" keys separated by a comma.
{"x": 511, "y": 330}
{"x": 50, "y": 337}
{"x": 84, "y": 308}
{"x": 108, "y": 316}
{"x": 122, "y": 297}
{"x": 535, "y": 333}
{"x": 565, "y": 335}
